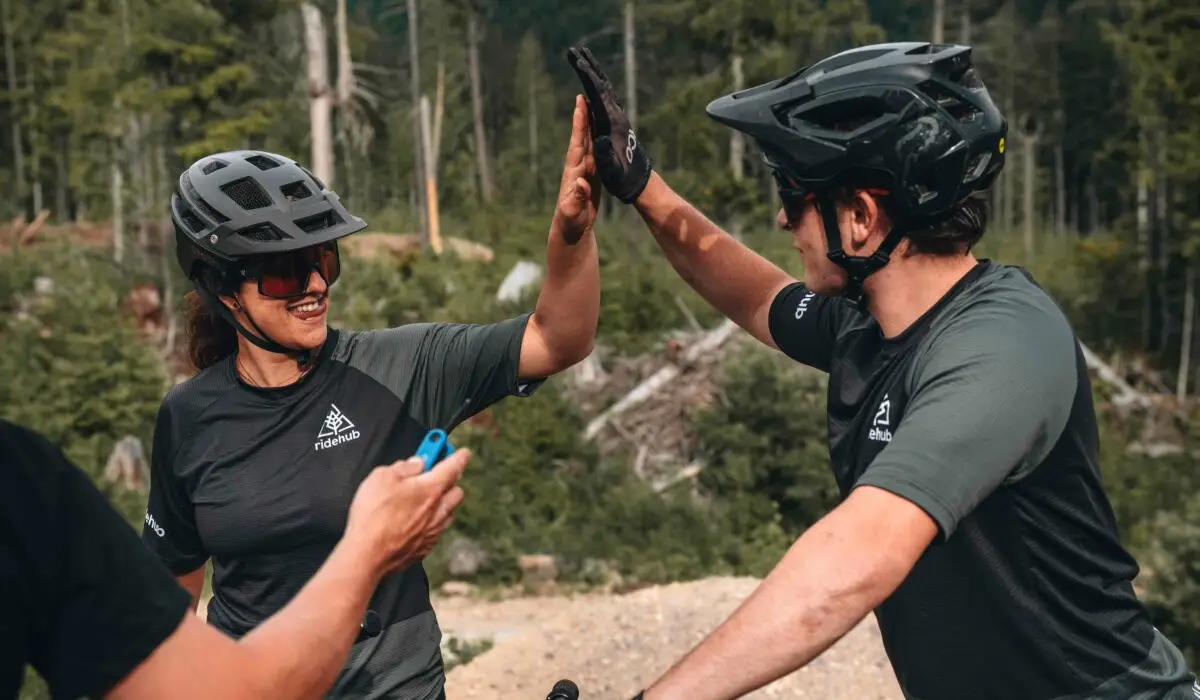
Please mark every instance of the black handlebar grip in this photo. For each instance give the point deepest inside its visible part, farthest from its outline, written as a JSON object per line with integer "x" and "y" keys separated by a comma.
{"x": 564, "y": 690}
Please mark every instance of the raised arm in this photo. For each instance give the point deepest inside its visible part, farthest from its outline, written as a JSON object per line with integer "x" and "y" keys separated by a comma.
{"x": 562, "y": 329}
{"x": 737, "y": 281}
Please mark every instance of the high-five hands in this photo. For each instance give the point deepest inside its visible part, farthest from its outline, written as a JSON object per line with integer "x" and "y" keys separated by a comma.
{"x": 400, "y": 511}
{"x": 623, "y": 165}
{"x": 579, "y": 191}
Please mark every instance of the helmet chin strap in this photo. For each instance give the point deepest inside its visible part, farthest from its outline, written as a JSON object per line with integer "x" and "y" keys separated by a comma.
{"x": 303, "y": 357}
{"x": 857, "y": 267}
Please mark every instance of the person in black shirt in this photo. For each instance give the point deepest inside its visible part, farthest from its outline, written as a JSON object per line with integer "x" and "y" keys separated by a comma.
{"x": 97, "y": 615}
{"x": 256, "y": 457}
{"x": 962, "y": 431}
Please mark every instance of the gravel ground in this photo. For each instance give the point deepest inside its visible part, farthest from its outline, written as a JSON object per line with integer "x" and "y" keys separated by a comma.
{"x": 612, "y": 645}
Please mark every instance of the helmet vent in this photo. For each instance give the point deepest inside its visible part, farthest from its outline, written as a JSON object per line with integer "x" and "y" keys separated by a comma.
{"x": 296, "y": 190}
{"x": 193, "y": 196}
{"x": 320, "y": 185}
{"x": 319, "y": 222}
{"x": 263, "y": 232}
{"x": 247, "y": 194}
{"x": 262, "y": 162}
{"x": 846, "y": 115}
{"x": 213, "y": 166}
{"x": 957, "y": 107}
{"x": 190, "y": 219}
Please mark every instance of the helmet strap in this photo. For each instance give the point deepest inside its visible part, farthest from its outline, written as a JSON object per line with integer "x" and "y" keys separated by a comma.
{"x": 857, "y": 267}
{"x": 262, "y": 340}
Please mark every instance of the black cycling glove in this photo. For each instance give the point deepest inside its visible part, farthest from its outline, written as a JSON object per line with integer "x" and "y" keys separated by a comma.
{"x": 621, "y": 162}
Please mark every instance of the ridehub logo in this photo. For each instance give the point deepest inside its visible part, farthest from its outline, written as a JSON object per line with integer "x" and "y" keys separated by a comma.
{"x": 336, "y": 430}
{"x": 881, "y": 425}
{"x": 150, "y": 523}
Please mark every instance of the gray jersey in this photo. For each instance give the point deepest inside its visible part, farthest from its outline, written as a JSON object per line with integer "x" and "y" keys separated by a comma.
{"x": 981, "y": 414}
{"x": 261, "y": 480}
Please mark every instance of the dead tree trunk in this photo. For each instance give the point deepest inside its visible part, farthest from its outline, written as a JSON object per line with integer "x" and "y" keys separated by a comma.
{"x": 414, "y": 94}
{"x": 345, "y": 93}
{"x": 61, "y": 215}
{"x": 481, "y": 149}
{"x": 431, "y": 201}
{"x": 630, "y": 31}
{"x": 964, "y": 27}
{"x": 1030, "y": 132}
{"x": 737, "y": 140}
{"x": 1189, "y": 326}
{"x": 1145, "y": 245}
{"x": 1060, "y": 191}
{"x": 320, "y": 95}
{"x": 10, "y": 65}
{"x": 939, "y": 21}
{"x": 35, "y": 151}
{"x": 118, "y": 206}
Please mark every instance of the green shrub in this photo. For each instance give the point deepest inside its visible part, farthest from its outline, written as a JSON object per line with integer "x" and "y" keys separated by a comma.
{"x": 765, "y": 444}
{"x": 1172, "y": 558}
{"x": 75, "y": 367}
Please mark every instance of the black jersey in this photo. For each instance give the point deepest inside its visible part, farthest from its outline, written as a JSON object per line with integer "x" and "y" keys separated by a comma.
{"x": 80, "y": 598}
{"x": 981, "y": 414}
{"x": 261, "y": 480}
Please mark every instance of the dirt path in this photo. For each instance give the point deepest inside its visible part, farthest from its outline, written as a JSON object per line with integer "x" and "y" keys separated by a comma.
{"x": 612, "y": 645}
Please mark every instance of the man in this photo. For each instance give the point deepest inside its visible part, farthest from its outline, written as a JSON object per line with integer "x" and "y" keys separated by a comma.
{"x": 91, "y": 608}
{"x": 961, "y": 426}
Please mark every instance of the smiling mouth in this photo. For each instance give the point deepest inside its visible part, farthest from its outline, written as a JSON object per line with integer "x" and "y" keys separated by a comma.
{"x": 309, "y": 306}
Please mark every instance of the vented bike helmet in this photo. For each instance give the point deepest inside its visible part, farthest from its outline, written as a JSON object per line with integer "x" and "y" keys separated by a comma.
{"x": 231, "y": 207}
{"x": 910, "y": 119}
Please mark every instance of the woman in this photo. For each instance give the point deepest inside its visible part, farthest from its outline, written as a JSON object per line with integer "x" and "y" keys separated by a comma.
{"x": 257, "y": 456}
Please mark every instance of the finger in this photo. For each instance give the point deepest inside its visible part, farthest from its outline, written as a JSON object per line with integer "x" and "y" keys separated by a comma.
{"x": 577, "y": 146}
{"x": 592, "y": 87}
{"x": 449, "y": 470}
{"x": 452, "y": 500}
{"x": 408, "y": 467}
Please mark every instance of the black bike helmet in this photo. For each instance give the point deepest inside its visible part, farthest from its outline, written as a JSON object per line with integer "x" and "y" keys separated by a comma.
{"x": 912, "y": 119}
{"x": 234, "y": 205}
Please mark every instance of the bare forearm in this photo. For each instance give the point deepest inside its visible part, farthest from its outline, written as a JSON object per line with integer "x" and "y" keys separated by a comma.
{"x": 791, "y": 618}
{"x": 737, "y": 281}
{"x": 568, "y": 306}
{"x": 193, "y": 583}
{"x": 299, "y": 651}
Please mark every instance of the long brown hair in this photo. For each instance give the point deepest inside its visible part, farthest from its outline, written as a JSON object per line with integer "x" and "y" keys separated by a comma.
{"x": 210, "y": 338}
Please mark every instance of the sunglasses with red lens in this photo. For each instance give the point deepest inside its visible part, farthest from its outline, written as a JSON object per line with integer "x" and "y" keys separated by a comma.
{"x": 286, "y": 275}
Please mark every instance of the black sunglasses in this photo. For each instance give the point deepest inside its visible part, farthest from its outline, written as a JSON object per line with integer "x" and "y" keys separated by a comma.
{"x": 792, "y": 195}
{"x": 286, "y": 275}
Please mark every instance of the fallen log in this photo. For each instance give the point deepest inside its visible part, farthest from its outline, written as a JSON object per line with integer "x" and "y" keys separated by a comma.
{"x": 1126, "y": 395}
{"x": 710, "y": 342}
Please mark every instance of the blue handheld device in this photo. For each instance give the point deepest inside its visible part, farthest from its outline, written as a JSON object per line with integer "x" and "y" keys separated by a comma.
{"x": 434, "y": 448}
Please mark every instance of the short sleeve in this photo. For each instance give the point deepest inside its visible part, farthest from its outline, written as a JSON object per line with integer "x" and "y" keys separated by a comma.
{"x": 805, "y": 325}
{"x": 446, "y": 372}
{"x": 169, "y": 528}
{"x": 992, "y": 394}
{"x": 98, "y": 602}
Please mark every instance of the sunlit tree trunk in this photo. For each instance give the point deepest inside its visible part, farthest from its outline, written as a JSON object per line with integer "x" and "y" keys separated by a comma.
{"x": 320, "y": 95}
{"x": 939, "y": 21}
